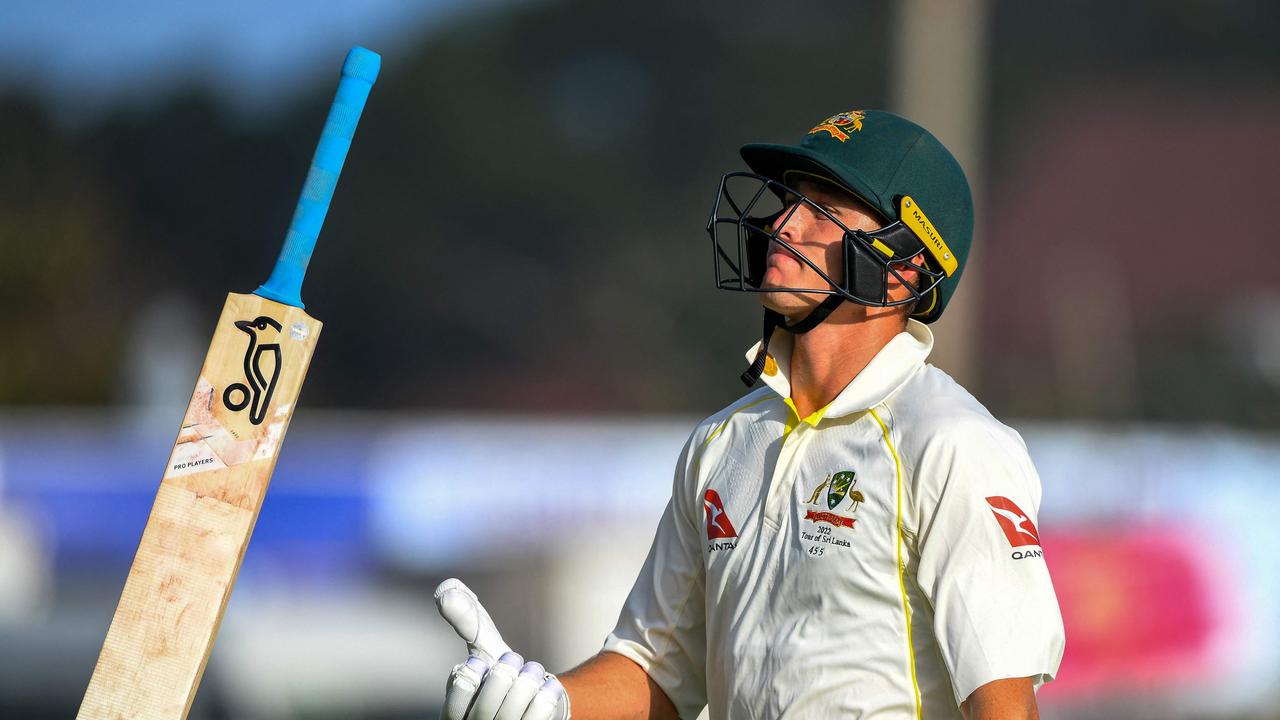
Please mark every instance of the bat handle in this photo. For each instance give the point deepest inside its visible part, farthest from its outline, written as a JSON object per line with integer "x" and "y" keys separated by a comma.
{"x": 359, "y": 72}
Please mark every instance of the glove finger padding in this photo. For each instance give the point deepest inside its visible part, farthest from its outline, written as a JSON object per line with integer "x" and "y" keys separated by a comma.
{"x": 461, "y": 688}
{"x": 532, "y": 675}
{"x": 495, "y": 687}
{"x": 462, "y": 609}
{"x": 550, "y": 703}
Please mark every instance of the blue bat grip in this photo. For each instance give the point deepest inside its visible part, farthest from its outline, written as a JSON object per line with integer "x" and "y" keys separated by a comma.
{"x": 358, "y": 74}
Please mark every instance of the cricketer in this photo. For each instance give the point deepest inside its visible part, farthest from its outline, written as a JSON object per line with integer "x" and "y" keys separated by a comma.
{"x": 857, "y": 536}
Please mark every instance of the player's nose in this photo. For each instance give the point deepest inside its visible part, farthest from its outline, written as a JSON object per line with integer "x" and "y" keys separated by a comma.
{"x": 793, "y": 221}
{"x": 789, "y": 229}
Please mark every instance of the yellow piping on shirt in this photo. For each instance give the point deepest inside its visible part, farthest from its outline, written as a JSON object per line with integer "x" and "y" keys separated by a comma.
{"x": 902, "y": 568}
{"x": 697, "y": 462}
{"x": 720, "y": 428}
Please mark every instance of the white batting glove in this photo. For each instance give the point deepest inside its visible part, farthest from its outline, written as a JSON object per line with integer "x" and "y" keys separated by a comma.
{"x": 494, "y": 683}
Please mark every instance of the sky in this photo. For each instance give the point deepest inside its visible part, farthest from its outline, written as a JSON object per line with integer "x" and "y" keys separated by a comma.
{"x": 85, "y": 55}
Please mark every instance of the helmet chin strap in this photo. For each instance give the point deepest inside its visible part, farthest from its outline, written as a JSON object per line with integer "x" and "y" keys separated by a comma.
{"x": 773, "y": 319}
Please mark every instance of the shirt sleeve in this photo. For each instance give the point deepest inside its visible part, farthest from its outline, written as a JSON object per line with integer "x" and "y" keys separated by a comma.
{"x": 662, "y": 625}
{"x": 980, "y": 561}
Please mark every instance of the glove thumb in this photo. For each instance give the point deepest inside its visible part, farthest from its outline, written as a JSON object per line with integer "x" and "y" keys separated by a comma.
{"x": 462, "y": 609}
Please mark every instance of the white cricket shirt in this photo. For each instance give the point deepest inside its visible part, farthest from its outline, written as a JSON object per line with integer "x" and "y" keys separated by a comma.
{"x": 878, "y": 559}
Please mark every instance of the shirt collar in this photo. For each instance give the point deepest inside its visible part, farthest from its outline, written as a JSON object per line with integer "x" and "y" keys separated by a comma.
{"x": 886, "y": 372}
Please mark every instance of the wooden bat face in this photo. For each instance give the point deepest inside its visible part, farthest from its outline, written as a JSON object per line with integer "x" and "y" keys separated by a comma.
{"x": 205, "y": 509}
{"x": 248, "y": 386}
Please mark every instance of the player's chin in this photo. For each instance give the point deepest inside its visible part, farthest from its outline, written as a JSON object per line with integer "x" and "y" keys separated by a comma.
{"x": 788, "y": 302}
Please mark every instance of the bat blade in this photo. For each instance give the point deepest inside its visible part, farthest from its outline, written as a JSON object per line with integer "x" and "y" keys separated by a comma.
{"x": 195, "y": 539}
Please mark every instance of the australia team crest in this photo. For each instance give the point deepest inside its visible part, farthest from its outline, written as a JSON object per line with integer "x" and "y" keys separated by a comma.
{"x": 836, "y": 492}
{"x": 841, "y": 125}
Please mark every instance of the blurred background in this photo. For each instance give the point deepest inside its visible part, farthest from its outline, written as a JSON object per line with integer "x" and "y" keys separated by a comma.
{"x": 521, "y": 326}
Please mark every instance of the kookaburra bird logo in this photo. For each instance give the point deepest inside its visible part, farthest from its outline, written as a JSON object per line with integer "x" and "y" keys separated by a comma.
{"x": 261, "y": 370}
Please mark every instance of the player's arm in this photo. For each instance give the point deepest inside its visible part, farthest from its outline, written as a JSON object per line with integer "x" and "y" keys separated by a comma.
{"x": 1007, "y": 699}
{"x": 995, "y": 612}
{"x": 610, "y": 686}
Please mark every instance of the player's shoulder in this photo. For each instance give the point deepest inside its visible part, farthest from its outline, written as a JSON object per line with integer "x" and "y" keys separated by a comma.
{"x": 714, "y": 435}
{"x": 744, "y": 409}
{"x": 948, "y": 439}
{"x": 932, "y": 409}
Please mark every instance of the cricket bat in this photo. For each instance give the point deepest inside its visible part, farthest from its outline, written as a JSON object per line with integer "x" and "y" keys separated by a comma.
{"x": 186, "y": 565}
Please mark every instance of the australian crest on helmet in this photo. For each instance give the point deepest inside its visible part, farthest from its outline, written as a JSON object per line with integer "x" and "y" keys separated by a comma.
{"x": 840, "y": 125}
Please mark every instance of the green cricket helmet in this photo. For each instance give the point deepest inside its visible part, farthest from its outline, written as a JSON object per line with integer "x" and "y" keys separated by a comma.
{"x": 897, "y": 168}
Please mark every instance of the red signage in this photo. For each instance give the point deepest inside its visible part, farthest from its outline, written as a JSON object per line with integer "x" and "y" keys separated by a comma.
{"x": 834, "y": 519}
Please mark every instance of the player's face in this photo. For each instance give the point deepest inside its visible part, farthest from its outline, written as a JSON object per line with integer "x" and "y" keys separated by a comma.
{"x": 820, "y": 240}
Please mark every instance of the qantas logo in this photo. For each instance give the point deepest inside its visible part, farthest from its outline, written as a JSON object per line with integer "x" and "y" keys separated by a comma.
{"x": 718, "y": 525}
{"x": 1017, "y": 525}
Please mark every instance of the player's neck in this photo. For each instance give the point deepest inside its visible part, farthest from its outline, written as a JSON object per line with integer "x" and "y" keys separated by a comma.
{"x": 827, "y": 358}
